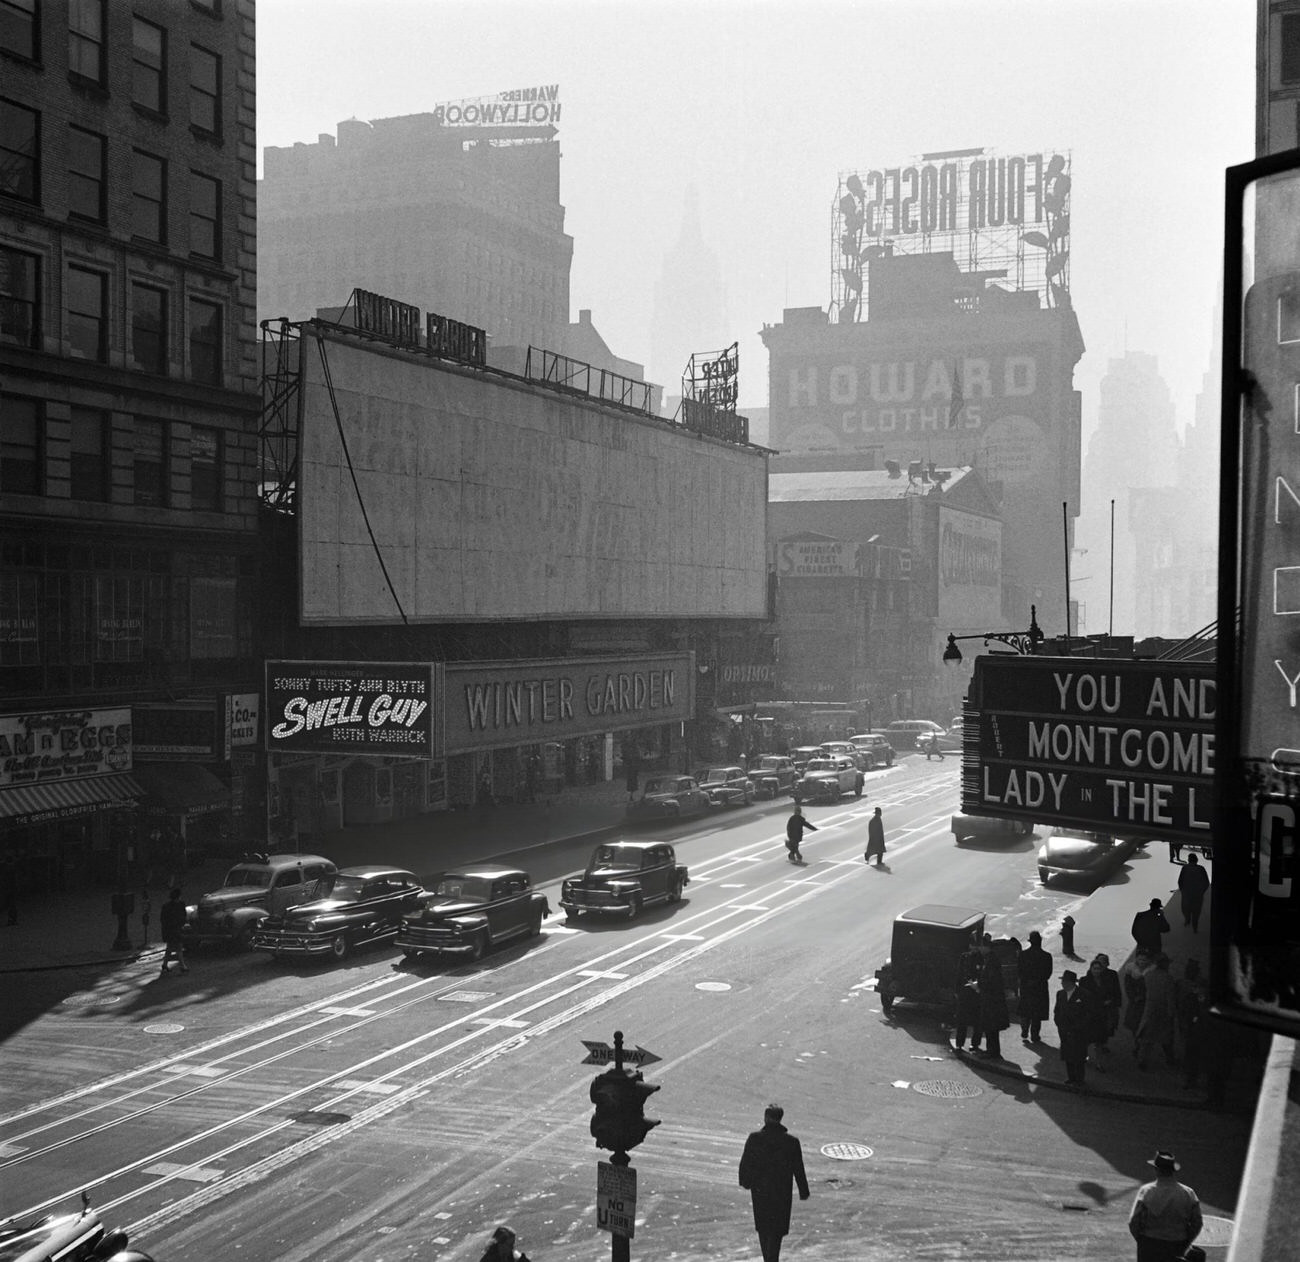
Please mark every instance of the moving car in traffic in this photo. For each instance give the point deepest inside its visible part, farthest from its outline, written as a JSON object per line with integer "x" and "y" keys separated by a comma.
{"x": 988, "y": 828}
{"x": 1083, "y": 854}
{"x": 622, "y": 877}
{"x": 727, "y": 786}
{"x": 874, "y": 749}
{"x": 80, "y": 1237}
{"x": 772, "y": 774}
{"x": 473, "y": 909}
{"x": 827, "y": 780}
{"x": 359, "y": 905}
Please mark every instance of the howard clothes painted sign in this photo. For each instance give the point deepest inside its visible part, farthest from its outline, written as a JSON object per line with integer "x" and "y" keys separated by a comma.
{"x": 1121, "y": 747}
{"x": 352, "y": 707}
{"x": 500, "y": 704}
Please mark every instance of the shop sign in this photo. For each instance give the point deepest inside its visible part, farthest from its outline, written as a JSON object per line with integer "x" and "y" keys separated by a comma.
{"x": 354, "y": 707}
{"x": 179, "y": 729}
{"x": 244, "y": 709}
{"x": 1119, "y": 747}
{"x": 56, "y": 745}
{"x": 507, "y": 703}
{"x": 816, "y": 558}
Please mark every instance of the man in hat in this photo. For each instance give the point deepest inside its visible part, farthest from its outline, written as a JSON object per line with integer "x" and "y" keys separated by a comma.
{"x": 1148, "y": 926}
{"x": 501, "y": 1248}
{"x": 1166, "y": 1214}
{"x": 772, "y": 1160}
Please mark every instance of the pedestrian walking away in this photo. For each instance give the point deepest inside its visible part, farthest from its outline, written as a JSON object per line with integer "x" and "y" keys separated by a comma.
{"x": 1166, "y": 1214}
{"x": 171, "y": 924}
{"x": 795, "y": 827}
{"x": 968, "y": 1000}
{"x": 1035, "y": 968}
{"x": 876, "y": 839}
{"x": 501, "y": 1248}
{"x": 1149, "y": 926}
{"x": 1193, "y": 884}
{"x": 1159, "y": 1022}
{"x": 770, "y": 1167}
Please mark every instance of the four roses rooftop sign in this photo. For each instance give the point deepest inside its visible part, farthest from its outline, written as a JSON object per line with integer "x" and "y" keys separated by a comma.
{"x": 1090, "y": 743}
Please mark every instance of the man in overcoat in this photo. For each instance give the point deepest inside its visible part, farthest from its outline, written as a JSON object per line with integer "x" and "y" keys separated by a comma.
{"x": 994, "y": 1017}
{"x": 772, "y": 1162}
{"x": 876, "y": 839}
{"x": 1035, "y": 967}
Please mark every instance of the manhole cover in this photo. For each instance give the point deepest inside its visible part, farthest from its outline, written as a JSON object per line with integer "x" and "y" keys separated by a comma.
{"x": 164, "y": 1027}
{"x": 847, "y": 1152}
{"x": 85, "y": 998}
{"x": 315, "y": 1117}
{"x": 946, "y": 1089}
{"x": 712, "y": 985}
{"x": 466, "y": 996}
{"x": 1215, "y": 1231}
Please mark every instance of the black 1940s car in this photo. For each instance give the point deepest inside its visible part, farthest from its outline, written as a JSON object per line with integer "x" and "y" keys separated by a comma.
{"x": 472, "y": 909}
{"x": 624, "y": 876}
{"x": 668, "y": 797}
{"x": 358, "y": 905}
{"x": 66, "y": 1238}
{"x": 772, "y": 774}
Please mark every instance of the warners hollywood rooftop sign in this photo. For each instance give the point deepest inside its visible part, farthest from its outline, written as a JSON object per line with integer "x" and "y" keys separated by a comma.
{"x": 519, "y": 107}
{"x": 1120, "y": 747}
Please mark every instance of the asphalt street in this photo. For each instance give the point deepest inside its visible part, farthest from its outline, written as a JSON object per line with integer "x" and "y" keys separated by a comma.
{"x": 382, "y": 1110}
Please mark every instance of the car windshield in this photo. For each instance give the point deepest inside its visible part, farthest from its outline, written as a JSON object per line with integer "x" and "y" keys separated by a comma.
{"x": 617, "y": 857}
{"x": 771, "y": 763}
{"x": 248, "y": 876}
{"x": 661, "y": 786}
{"x": 1083, "y": 834}
{"x": 341, "y": 887}
{"x": 820, "y": 764}
{"x": 715, "y": 775}
{"x": 465, "y": 889}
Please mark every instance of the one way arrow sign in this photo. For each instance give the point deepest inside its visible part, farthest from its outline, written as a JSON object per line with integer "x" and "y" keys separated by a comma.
{"x": 603, "y": 1054}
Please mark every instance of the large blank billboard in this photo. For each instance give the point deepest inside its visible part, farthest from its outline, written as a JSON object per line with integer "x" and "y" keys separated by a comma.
{"x": 492, "y": 498}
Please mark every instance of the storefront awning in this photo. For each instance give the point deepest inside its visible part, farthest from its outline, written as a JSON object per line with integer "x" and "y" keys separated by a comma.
{"x": 36, "y": 803}
{"x": 180, "y": 788}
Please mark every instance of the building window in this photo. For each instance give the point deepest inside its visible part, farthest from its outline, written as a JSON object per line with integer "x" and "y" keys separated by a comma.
{"x": 149, "y": 328}
{"x": 149, "y": 66}
{"x": 205, "y": 468}
{"x": 20, "y": 445}
{"x": 205, "y": 90}
{"x": 19, "y": 151}
{"x": 150, "y": 463}
{"x": 86, "y": 158}
{"x": 205, "y": 341}
{"x": 89, "y": 454}
{"x": 18, "y": 28}
{"x": 148, "y": 197}
{"x": 205, "y": 216}
{"x": 1288, "y": 317}
{"x": 87, "y": 314}
{"x": 20, "y": 316}
{"x": 86, "y": 39}
{"x": 19, "y": 620}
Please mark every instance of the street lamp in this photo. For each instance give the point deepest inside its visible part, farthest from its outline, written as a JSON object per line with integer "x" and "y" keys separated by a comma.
{"x": 1025, "y": 642}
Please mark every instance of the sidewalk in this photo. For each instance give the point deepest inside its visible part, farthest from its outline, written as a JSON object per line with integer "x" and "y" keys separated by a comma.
{"x": 1102, "y": 927}
{"x": 75, "y": 928}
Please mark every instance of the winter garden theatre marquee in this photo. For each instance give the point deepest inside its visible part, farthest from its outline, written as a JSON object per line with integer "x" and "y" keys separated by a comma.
{"x": 1108, "y": 745}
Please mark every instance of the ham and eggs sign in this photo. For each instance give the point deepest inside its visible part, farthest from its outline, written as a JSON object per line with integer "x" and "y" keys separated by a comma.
{"x": 1117, "y": 746}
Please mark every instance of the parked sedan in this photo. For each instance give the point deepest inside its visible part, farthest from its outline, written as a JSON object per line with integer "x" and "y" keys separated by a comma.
{"x": 362, "y": 904}
{"x": 472, "y": 909}
{"x": 988, "y": 828}
{"x": 827, "y": 780}
{"x": 1080, "y": 853}
{"x": 669, "y": 797}
{"x": 728, "y": 786}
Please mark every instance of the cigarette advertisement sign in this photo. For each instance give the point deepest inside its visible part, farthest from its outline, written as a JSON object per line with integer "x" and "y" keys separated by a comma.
{"x": 381, "y": 708}
{"x": 1119, "y": 747}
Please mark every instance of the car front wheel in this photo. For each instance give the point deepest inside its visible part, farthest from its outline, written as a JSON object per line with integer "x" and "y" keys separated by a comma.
{"x": 1042, "y": 875}
{"x": 633, "y": 907}
{"x": 477, "y": 945}
{"x": 675, "y": 892}
{"x": 339, "y": 946}
{"x": 857, "y": 788}
{"x": 535, "y": 924}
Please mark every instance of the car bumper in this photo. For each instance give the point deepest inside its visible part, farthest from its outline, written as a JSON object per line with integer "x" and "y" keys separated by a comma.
{"x": 432, "y": 940}
{"x": 293, "y": 943}
{"x": 595, "y": 903}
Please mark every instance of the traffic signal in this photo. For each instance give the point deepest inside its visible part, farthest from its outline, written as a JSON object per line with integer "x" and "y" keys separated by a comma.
{"x": 619, "y": 1096}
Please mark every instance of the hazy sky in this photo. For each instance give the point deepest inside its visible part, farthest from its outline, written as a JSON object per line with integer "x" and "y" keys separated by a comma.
{"x": 762, "y": 104}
